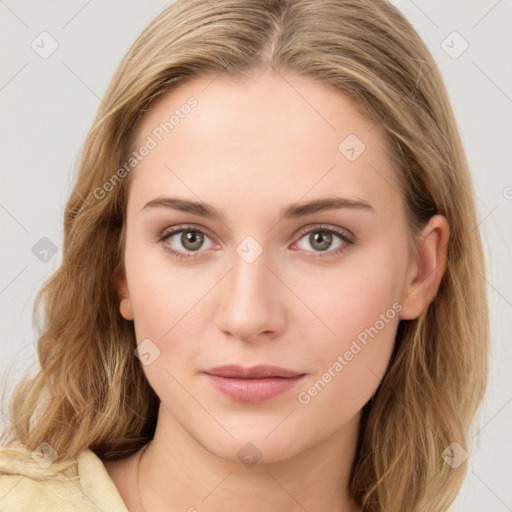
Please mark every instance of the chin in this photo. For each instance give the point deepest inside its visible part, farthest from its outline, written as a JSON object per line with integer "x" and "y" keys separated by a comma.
{"x": 251, "y": 446}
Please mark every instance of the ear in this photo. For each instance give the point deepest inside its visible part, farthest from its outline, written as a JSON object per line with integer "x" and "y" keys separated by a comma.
{"x": 121, "y": 287}
{"x": 426, "y": 268}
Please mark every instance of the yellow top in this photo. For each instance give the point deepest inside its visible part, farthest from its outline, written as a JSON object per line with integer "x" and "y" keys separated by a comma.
{"x": 29, "y": 483}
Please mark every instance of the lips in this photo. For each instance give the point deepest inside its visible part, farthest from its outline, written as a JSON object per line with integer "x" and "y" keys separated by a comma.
{"x": 252, "y": 385}
{"x": 254, "y": 372}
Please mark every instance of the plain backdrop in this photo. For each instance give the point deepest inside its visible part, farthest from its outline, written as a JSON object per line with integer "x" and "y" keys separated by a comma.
{"x": 48, "y": 103}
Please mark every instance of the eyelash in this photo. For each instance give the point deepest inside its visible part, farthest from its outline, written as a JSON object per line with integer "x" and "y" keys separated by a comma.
{"x": 348, "y": 240}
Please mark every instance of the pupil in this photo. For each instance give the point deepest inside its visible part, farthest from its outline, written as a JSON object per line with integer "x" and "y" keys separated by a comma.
{"x": 327, "y": 237}
{"x": 191, "y": 240}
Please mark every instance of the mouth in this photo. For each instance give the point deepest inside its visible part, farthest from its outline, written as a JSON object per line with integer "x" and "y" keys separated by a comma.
{"x": 252, "y": 385}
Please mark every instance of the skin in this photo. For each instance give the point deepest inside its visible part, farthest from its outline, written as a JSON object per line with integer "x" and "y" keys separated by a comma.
{"x": 250, "y": 149}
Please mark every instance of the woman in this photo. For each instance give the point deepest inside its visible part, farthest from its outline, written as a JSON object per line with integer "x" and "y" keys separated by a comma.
{"x": 268, "y": 297}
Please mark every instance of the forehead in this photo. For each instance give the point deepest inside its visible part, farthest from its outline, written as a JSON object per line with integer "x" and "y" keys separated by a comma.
{"x": 248, "y": 143}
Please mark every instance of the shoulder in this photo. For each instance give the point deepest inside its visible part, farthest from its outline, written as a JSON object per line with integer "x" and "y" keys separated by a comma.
{"x": 31, "y": 481}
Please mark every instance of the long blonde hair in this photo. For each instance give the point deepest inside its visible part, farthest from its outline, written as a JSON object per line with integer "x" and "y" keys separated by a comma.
{"x": 91, "y": 391}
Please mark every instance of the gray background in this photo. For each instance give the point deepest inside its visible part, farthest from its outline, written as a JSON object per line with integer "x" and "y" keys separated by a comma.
{"x": 48, "y": 106}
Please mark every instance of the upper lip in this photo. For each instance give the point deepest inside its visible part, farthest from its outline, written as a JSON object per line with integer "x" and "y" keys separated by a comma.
{"x": 253, "y": 372}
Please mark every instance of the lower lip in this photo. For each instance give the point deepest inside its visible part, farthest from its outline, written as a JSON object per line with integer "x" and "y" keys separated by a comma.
{"x": 253, "y": 391}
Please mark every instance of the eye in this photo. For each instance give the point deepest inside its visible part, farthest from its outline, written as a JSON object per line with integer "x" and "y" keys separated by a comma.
{"x": 322, "y": 238}
{"x": 187, "y": 239}
{"x": 186, "y": 242}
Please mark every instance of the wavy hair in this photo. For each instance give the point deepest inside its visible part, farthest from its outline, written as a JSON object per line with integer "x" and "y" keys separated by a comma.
{"x": 91, "y": 391}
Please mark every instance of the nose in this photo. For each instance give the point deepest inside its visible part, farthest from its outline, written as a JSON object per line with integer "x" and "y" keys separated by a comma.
{"x": 251, "y": 302}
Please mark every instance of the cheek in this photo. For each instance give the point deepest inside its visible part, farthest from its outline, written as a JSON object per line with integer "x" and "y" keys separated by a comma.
{"x": 350, "y": 363}
{"x": 161, "y": 293}
{"x": 172, "y": 320}
{"x": 359, "y": 309}
{"x": 353, "y": 296}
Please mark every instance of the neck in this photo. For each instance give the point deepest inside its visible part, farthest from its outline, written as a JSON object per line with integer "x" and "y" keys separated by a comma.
{"x": 178, "y": 473}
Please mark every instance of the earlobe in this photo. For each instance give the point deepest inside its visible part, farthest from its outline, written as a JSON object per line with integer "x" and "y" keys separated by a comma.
{"x": 125, "y": 308}
{"x": 121, "y": 286}
{"x": 427, "y": 270}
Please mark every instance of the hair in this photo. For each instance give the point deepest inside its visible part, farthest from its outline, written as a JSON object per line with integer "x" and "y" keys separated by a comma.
{"x": 90, "y": 390}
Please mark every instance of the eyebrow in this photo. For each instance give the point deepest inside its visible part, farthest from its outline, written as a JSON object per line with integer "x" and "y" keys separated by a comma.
{"x": 292, "y": 211}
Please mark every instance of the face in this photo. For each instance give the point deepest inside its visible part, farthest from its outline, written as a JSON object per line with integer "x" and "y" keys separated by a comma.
{"x": 264, "y": 280}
